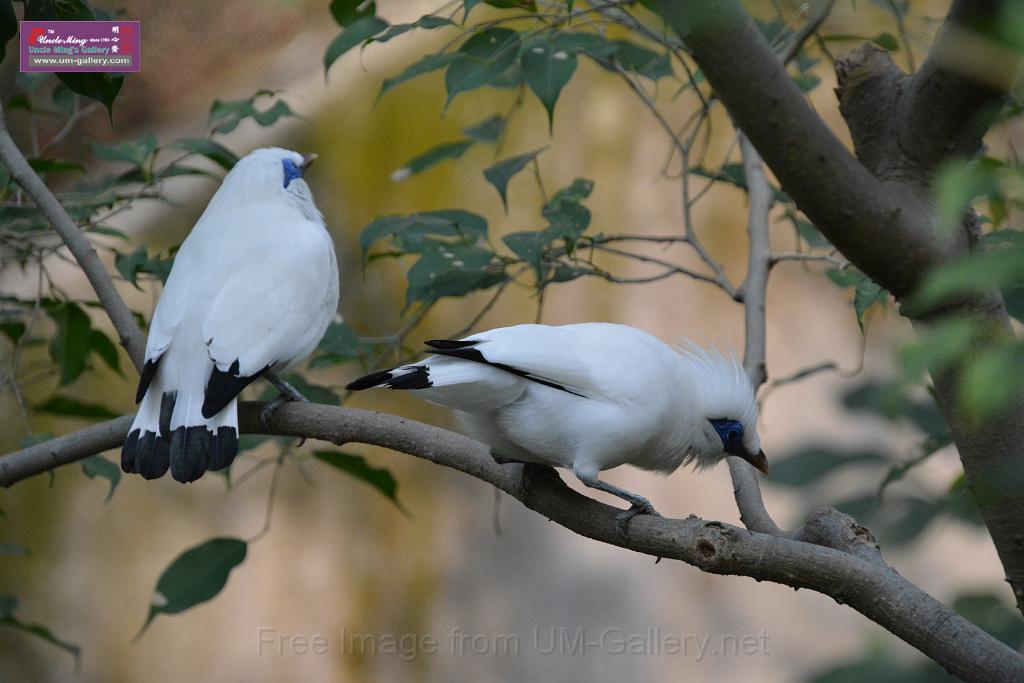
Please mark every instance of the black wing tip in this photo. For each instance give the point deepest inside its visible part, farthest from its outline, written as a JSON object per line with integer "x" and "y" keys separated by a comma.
{"x": 418, "y": 377}
{"x": 146, "y": 378}
{"x": 475, "y": 356}
{"x": 447, "y": 344}
{"x": 224, "y": 386}
{"x": 374, "y": 379}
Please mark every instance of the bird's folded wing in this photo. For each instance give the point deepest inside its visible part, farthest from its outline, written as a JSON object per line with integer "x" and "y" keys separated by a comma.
{"x": 538, "y": 352}
{"x": 264, "y": 315}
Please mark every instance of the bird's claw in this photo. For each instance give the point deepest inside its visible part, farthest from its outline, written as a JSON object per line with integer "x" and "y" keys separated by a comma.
{"x": 642, "y": 507}
{"x": 268, "y": 410}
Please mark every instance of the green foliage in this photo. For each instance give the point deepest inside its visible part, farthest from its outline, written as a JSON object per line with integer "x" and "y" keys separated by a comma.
{"x": 98, "y": 466}
{"x": 69, "y": 407}
{"x": 8, "y": 26}
{"x": 358, "y": 32}
{"x": 481, "y": 60}
{"x": 9, "y": 605}
{"x": 866, "y": 293}
{"x": 102, "y": 87}
{"x": 500, "y": 173}
{"x": 195, "y": 576}
{"x": 225, "y": 116}
{"x": 70, "y": 346}
{"x": 339, "y": 345}
{"x": 547, "y": 67}
{"x": 356, "y": 466}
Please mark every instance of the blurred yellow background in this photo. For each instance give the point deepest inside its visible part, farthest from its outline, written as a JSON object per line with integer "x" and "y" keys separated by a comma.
{"x": 339, "y": 557}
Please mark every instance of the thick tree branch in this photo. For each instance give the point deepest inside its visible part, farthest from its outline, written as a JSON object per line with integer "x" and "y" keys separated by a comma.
{"x": 857, "y": 212}
{"x": 953, "y": 99}
{"x": 879, "y": 212}
{"x": 129, "y": 333}
{"x": 872, "y": 589}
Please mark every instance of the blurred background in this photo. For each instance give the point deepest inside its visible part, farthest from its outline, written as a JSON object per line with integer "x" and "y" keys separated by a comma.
{"x": 340, "y": 558}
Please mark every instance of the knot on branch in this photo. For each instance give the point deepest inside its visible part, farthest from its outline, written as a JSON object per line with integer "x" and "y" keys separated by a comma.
{"x": 831, "y": 528}
{"x": 870, "y": 88}
{"x": 711, "y": 545}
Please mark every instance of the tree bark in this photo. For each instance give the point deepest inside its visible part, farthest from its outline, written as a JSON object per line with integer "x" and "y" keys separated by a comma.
{"x": 877, "y": 208}
{"x": 853, "y": 575}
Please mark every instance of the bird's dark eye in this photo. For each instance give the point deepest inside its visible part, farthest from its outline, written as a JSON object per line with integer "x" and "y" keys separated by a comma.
{"x": 729, "y": 431}
{"x": 291, "y": 171}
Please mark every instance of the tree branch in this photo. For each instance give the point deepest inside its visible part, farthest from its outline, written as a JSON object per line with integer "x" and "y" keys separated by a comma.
{"x": 129, "y": 333}
{"x": 953, "y": 99}
{"x": 857, "y": 212}
{"x": 871, "y": 588}
{"x": 879, "y": 213}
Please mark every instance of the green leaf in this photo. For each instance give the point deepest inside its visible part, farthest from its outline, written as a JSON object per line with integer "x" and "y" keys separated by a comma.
{"x": 488, "y": 130}
{"x": 63, "y": 405}
{"x": 105, "y": 349}
{"x": 886, "y": 41}
{"x": 247, "y": 442}
{"x": 482, "y": 59}
{"x": 958, "y": 183}
{"x": 809, "y": 232}
{"x": 13, "y": 330}
{"x": 8, "y": 26}
{"x": 70, "y": 346}
{"x": 214, "y": 151}
{"x": 813, "y": 463}
{"x": 44, "y": 166}
{"x": 341, "y": 340}
{"x": 865, "y": 295}
{"x": 9, "y": 603}
{"x": 432, "y": 157}
{"x": 592, "y": 44}
{"x": 993, "y": 380}
{"x": 500, "y": 173}
{"x": 415, "y": 232}
{"x": 137, "y": 152}
{"x": 547, "y": 67}
{"x": 13, "y": 549}
{"x": 807, "y": 81}
{"x": 360, "y": 31}
{"x": 225, "y": 116}
{"x": 347, "y": 12}
{"x": 428, "y": 21}
{"x": 992, "y": 615}
{"x": 425, "y": 65}
{"x": 98, "y": 466}
{"x": 567, "y": 217}
{"x": 195, "y": 576}
{"x": 355, "y": 465}
{"x": 530, "y": 247}
{"x": 647, "y": 63}
{"x": 450, "y": 270}
{"x": 102, "y": 87}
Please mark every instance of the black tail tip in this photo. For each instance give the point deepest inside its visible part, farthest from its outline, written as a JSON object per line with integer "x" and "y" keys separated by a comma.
{"x": 374, "y": 379}
{"x": 188, "y": 453}
{"x": 447, "y": 344}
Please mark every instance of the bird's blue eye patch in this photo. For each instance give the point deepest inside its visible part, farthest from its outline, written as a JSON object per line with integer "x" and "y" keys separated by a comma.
{"x": 729, "y": 431}
{"x": 291, "y": 171}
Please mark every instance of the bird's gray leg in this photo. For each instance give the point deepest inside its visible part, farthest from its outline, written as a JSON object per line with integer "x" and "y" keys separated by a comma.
{"x": 288, "y": 393}
{"x": 638, "y": 505}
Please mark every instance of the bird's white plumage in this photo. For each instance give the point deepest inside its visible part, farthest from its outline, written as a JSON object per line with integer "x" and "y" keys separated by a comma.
{"x": 255, "y": 282}
{"x": 621, "y": 396}
{"x": 627, "y": 397}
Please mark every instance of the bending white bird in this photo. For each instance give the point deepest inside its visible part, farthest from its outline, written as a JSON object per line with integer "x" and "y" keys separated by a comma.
{"x": 589, "y": 397}
{"x": 253, "y": 288}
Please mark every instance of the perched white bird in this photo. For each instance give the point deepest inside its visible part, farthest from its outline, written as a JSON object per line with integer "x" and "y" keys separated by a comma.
{"x": 253, "y": 288}
{"x": 589, "y": 397}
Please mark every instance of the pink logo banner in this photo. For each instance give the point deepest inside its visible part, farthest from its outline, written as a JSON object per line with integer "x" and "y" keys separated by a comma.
{"x": 84, "y": 46}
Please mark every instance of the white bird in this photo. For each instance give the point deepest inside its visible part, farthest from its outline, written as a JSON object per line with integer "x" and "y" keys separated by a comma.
{"x": 589, "y": 397}
{"x": 252, "y": 289}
